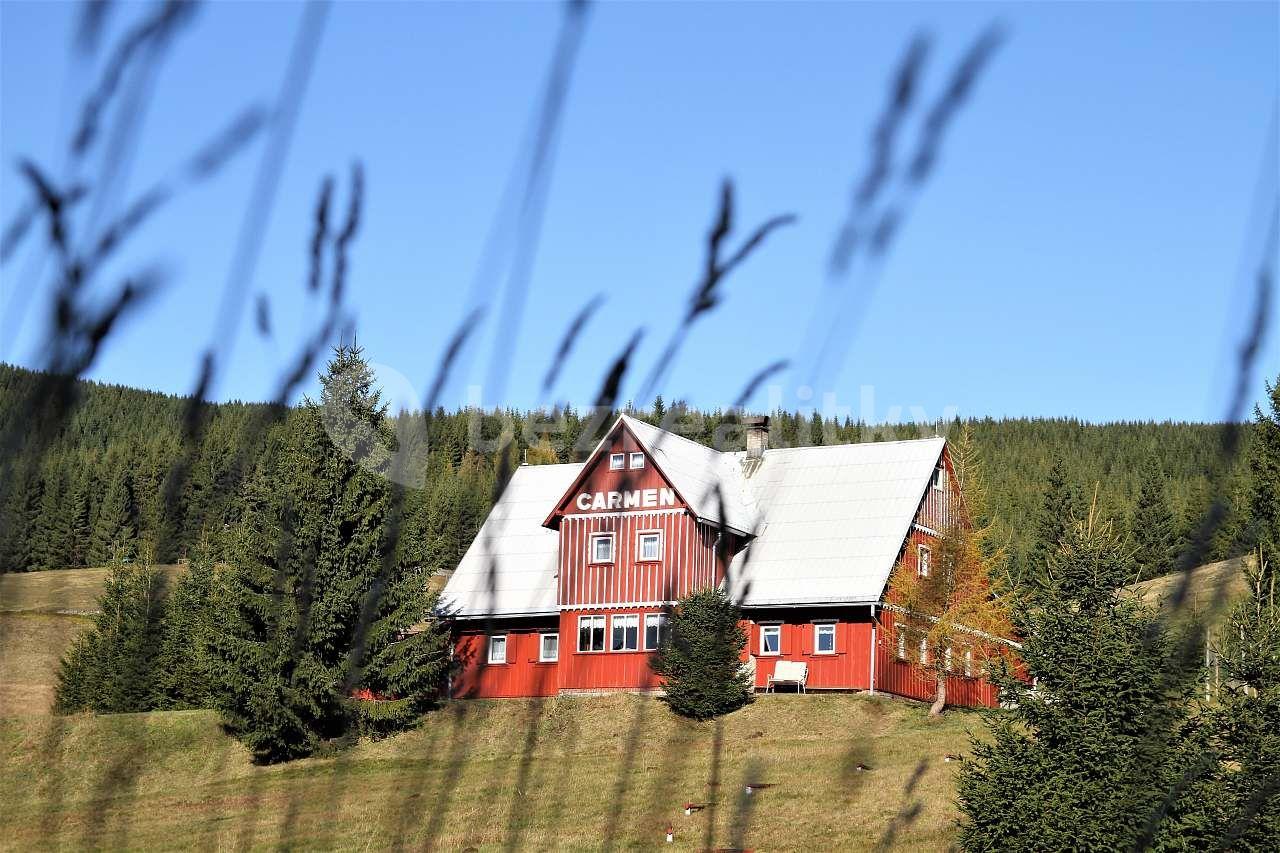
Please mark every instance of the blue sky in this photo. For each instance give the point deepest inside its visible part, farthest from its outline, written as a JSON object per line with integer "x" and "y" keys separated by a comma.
{"x": 1077, "y": 252}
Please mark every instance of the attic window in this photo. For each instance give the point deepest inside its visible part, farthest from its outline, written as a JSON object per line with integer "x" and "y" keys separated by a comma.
{"x": 922, "y": 561}
{"x": 617, "y": 461}
{"x": 940, "y": 478}
{"x": 637, "y": 460}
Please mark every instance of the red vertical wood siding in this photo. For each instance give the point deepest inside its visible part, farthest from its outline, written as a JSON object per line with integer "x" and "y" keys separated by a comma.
{"x": 905, "y": 677}
{"x": 474, "y": 677}
{"x": 848, "y": 668}
{"x": 606, "y": 670}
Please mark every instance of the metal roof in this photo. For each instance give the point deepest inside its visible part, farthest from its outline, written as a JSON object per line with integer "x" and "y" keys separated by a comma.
{"x": 831, "y": 522}
{"x": 696, "y": 471}
{"x": 510, "y": 568}
{"x": 827, "y": 523}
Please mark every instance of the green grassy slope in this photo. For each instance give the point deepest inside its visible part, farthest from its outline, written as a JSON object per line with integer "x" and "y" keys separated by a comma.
{"x": 515, "y": 774}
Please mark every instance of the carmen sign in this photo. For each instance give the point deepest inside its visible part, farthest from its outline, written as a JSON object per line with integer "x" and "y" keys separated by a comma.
{"x": 635, "y": 499}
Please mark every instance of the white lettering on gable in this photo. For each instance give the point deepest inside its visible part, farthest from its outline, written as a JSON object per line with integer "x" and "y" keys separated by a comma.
{"x": 633, "y": 499}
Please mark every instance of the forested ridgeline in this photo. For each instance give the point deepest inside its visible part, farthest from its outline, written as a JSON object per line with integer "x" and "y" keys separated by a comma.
{"x": 125, "y": 472}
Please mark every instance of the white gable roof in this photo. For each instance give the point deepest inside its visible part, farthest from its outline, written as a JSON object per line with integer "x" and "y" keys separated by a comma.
{"x": 510, "y": 568}
{"x": 832, "y": 521}
{"x": 695, "y": 470}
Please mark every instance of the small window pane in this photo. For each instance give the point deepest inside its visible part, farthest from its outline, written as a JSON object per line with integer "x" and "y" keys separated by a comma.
{"x": 616, "y": 461}
{"x": 902, "y": 646}
{"x": 550, "y": 649}
{"x": 602, "y": 549}
{"x": 637, "y": 460}
{"x": 923, "y": 565}
{"x": 590, "y": 633}
{"x": 826, "y": 639}
{"x": 655, "y": 630}
{"x": 650, "y": 546}
{"x": 497, "y": 650}
{"x": 626, "y": 633}
{"x": 770, "y": 639}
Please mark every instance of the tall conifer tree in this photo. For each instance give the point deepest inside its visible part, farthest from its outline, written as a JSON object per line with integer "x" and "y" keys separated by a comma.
{"x": 1153, "y": 527}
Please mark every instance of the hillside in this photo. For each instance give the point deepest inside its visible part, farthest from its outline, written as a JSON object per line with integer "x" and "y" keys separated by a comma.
{"x": 513, "y": 774}
{"x": 507, "y": 774}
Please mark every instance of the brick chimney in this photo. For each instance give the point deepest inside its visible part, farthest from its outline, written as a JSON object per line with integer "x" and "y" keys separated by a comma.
{"x": 757, "y": 428}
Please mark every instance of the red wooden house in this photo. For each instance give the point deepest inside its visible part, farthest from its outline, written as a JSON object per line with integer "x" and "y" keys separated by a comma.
{"x": 567, "y": 587}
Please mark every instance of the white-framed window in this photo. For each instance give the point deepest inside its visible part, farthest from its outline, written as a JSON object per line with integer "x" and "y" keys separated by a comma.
{"x": 968, "y": 663}
{"x": 617, "y": 461}
{"x": 902, "y": 644}
{"x": 924, "y": 651}
{"x": 637, "y": 460}
{"x": 770, "y": 639}
{"x": 656, "y": 626}
{"x": 946, "y": 659}
{"x": 590, "y": 633}
{"x": 824, "y": 638}
{"x": 922, "y": 560}
{"x": 498, "y": 648}
{"x": 602, "y": 547}
{"x": 549, "y": 648}
{"x": 649, "y": 545}
{"x": 626, "y": 632}
{"x": 940, "y": 478}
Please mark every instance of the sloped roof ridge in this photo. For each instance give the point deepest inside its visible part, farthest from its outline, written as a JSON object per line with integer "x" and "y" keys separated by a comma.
{"x": 773, "y": 450}
{"x": 675, "y": 435}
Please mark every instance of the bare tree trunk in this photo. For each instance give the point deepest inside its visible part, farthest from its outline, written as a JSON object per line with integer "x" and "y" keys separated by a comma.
{"x": 940, "y": 698}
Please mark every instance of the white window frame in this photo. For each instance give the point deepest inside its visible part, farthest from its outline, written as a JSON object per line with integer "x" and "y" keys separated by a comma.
{"x": 502, "y": 638}
{"x": 627, "y": 619}
{"x": 640, "y": 535}
{"x": 617, "y": 461}
{"x": 924, "y": 651}
{"x": 542, "y": 647}
{"x": 604, "y": 639}
{"x": 946, "y": 659}
{"x": 923, "y": 560}
{"x": 968, "y": 663}
{"x": 940, "y": 478}
{"x": 663, "y": 622}
{"x": 902, "y": 643}
{"x": 635, "y": 460}
{"x": 591, "y": 548}
{"x": 774, "y": 628}
{"x": 818, "y": 629}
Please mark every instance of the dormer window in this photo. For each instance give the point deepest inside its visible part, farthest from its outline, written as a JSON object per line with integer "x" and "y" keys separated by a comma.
{"x": 617, "y": 461}
{"x": 637, "y": 460}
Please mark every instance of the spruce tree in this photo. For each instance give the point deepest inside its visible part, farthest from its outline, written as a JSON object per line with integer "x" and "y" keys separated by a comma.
{"x": 1153, "y": 527}
{"x": 701, "y": 660}
{"x": 1264, "y": 465}
{"x": 182, "y": 665}
{"x": 1086, "y": 759}
{"x": 112, "y": 667}
{"x": 113, "y": 529}
{"x": 817, "y": 436}
{"x": 1235, "y": 803}
{"x": 1059, "y": 508}
{"x": 319, "y": 603}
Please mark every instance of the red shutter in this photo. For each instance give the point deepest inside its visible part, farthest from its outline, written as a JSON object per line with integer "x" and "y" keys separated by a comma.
{"x": 806, "y": 639}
